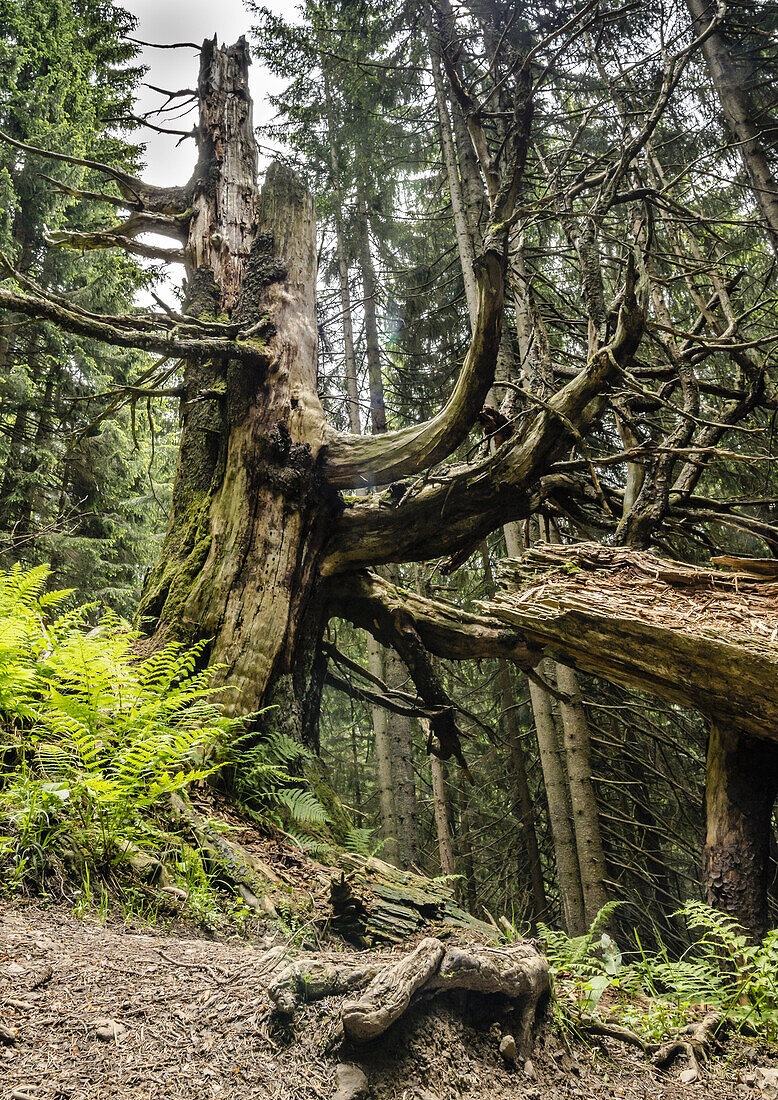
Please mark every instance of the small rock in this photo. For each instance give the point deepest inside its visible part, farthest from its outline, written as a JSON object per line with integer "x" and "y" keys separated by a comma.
{"x": 508, "y": 1048}
{"x": 7, "y": 1034}
{"x": 352, "y": 1083}
{"x": 687, "y": 1076}
{"x": 110, "y": 1030}
{"x": 767, "y": 1080}
{"x": 529, "y": 1070}
{"x": 749, "y": 1078}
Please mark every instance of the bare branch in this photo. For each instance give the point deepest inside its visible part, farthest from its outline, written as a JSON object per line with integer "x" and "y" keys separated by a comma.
{"x": 142, "y": 195}
{"x": 121, "y": 334}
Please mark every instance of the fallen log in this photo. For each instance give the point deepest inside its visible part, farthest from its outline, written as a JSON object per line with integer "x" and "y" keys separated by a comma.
{"x": 374, "y": 902}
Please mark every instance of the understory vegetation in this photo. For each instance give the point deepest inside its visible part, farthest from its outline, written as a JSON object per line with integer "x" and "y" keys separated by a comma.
{"x": 653, "y": 993}
{"x": 96, "y": 738}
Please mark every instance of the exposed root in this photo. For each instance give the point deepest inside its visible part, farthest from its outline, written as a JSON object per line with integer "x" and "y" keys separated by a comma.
{"x": 516, "y": 972}
{"x": 611, "y": 1031}
{"x": 694, "y": 1041}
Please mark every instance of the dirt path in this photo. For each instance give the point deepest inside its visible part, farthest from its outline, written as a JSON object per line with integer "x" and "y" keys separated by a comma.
{"x": 111, "y": 1011}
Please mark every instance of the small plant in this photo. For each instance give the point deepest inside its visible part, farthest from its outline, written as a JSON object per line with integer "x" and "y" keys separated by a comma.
{"x": 654, "y": 995}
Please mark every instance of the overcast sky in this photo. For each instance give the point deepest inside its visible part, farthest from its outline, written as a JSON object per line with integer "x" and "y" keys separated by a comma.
{"x": 190, "y": 21}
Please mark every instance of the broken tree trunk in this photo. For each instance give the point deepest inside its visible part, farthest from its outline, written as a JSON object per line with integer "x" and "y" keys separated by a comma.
{"x": 250, "y": 510}
{"x": 694, "y": 636}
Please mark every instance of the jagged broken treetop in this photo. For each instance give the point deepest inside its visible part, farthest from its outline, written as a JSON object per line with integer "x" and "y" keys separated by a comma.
{"x": 699, "y": 636}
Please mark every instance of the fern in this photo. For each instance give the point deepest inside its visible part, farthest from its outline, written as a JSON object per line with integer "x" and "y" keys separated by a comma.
{"x": 93, "y": 737}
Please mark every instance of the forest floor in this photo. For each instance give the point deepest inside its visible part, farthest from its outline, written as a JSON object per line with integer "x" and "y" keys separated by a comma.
{"x": 103, "y": 1008}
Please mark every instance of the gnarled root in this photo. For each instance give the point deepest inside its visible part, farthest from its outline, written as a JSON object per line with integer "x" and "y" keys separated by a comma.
{"x": 516, "y": 971}
{"x": 695, "y": 1041}
{"x": 312, "y": 979}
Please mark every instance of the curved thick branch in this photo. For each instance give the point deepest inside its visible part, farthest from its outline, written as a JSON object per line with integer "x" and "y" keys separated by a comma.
{"x": 381, "y": 608}
{"x": 454, "y": 512}
{"x": 113, "y": 238}
{"x": 353, "y": 461}
{"x": 124, "y": 236}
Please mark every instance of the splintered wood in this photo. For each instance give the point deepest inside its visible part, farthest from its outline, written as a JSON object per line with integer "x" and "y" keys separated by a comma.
{"x": 697, "y": 637}
{"x": 617, "y": 582}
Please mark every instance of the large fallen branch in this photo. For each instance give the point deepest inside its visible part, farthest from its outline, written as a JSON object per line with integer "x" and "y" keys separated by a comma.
{"x": 694, "y": 636}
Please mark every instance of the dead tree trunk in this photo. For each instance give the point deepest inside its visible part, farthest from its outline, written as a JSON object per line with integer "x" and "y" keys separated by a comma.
{"x": 740, "y": 791}
{"x": 249, "y": 507}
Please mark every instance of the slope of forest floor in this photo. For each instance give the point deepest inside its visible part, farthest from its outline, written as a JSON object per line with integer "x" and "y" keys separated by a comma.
{"x": 103, "y": 1009}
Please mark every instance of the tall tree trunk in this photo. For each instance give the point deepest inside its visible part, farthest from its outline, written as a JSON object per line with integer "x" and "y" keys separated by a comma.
{"x": 383, "y": 755}
{"x": 402, "y": 754}
{"x": 468, "y": 891}
{"x": 740, "y": 791}
{"x": 369, "y": 285}
{"x": 250, "y": 510}
{"x": 586, "y": 824}
{"x": 442, "y": 826}
{"x": 557, "y": 795}
{"x": 461, "y": 228}
{"x": 733, "y": 97}
{"x": 350, "y": 359}
{"x": 526, "y": 810}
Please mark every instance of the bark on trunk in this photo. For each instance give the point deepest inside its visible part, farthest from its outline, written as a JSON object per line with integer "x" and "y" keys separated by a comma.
{"x": 740, "y": 791}
{"x": 249, "y": 506}
{"x": 555, "y": 782}
{"x": 383, "y": 757}
{"x": 586, "y": 823}
{"x": 442, "y": 826}
{"x": 733, "y": 97}
{"x": 524, "y": 806}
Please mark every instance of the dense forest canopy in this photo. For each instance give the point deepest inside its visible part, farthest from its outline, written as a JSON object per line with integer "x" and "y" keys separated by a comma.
{"x": 511, "y": 282}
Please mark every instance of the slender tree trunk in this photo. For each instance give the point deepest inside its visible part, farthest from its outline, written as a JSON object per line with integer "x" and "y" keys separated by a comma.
{"x": 442, "y": 826}
{"x": 740, "y": 791}
{"x": 525, "y": 808}
{"x": 401, "y": 751}
{"x": 350, "y": 360}
{"x": 383, "y": 760}
{"x": 461, "y": 228}
{"x": 369, "y": 284}
{"x": 588, "y": 841}
{"x": 468, "y": 891}
{"x": 557, "y": 795}
{"x": 733, "y": 97}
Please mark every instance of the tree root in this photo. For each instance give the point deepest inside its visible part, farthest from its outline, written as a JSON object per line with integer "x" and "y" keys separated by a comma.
{"x": 314, "y": 978}
{"x": 610, "y": 1031}
{"x": 516, "y": 972}
{"x": 695, "y": 1041}
{"x": 229, "y": 860}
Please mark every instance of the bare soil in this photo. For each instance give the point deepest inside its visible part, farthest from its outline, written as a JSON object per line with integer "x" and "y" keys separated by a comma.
{"x": 109, "y": 1010}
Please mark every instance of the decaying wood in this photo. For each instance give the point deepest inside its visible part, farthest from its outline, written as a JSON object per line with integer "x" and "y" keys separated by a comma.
{"x": 694, "y": 636}
{"x": 374, "y": 902}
